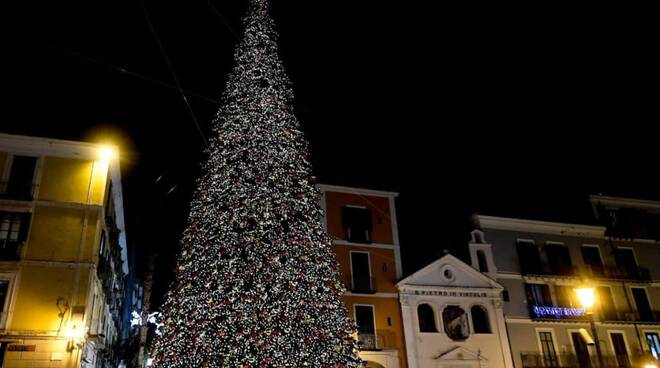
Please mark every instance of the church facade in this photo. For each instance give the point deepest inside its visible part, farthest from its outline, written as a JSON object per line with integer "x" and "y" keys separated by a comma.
{"x": 452, "y": 317}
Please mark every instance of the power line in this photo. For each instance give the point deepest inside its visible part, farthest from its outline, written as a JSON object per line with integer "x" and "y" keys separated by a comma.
{"x": 111, "y": 66}
{"x": 176, "y": 80}
{"x": 224, "y": 21}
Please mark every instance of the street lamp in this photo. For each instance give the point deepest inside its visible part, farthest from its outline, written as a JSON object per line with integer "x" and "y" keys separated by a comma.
{"x": 587, "y": 297}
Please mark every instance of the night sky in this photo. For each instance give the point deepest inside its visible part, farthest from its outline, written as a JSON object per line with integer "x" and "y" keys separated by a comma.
{"x": 519, "y": 111}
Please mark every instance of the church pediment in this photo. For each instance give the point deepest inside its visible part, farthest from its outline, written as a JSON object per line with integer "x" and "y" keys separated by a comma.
{"x": 449, "y": 271}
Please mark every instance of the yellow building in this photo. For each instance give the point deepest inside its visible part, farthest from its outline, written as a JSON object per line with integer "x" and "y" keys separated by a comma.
{"x": 62, "y": 252}
{"x": 363, "y": 226}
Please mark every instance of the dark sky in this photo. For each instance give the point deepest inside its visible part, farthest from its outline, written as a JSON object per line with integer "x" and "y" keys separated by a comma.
{"x": 513, "y": 110}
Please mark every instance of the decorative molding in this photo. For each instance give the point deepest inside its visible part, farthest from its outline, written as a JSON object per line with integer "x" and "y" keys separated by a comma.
{"x": 359, "y": 191}
{"x": 366, "y": 245}
{"x": 72, "y": 264}
{"x": 37, "y": 146}
{"x": 374, "y": 295}
{"x": 624, "y": 202}
{"x": 541, "y": 227}
{"x": 509, "y": 275}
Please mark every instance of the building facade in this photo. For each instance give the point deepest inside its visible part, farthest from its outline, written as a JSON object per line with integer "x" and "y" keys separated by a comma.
{"x": 453, "y": 317}
{"x": 540, "y": 264}
{"x": 62, "y": 253}
{"x": 363, "y": 226}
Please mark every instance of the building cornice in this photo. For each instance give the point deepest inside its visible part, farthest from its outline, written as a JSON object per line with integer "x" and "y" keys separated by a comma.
{"x": 49, "y": 147}
{"x": 625, "y": 202}
{"x": 409, "y": 289}
{"x": 365, "y": 245}
{"x": 372, "y": 295}
{"x": 542, "y": 227}
{"x": 352, "y": 190}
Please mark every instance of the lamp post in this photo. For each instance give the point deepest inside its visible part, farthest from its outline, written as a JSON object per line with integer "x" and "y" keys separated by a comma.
{"x": 587, "y": 298}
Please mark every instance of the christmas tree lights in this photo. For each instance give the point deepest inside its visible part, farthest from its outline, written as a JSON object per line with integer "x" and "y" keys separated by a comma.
{"x": 257, "y": 284}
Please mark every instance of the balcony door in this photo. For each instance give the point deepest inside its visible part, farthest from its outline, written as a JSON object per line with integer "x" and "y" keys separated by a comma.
{"x": 625, "y": 260}
{"x": 581, "y": 350}
{"x": 361, "y": 272}
{"x": 606, "y": 303}
{"x": 620, "y": 350}
{"x": 591, "y": 257}
{"x": 642, "y": 302}
{"x": 366, "y": 323}
{"x": 21, "y": 176}
{"x": 548, "y": 351}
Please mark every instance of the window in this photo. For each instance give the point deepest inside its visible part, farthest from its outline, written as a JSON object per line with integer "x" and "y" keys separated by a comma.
{"x": 13, "y": 230}
{"x": 21, "y": 176}
{"x": 591, "y": 258}
{"x": 642, "y": 302}
{"x": 653, "y": 341}
{"x": 455, "y": 322}
{"x": 530, "y": 260}
{"x": 505, "y": 295}
{"x": 480, "y": 323}
{"x": 606, "y": 303}
{"x": 625, "y": 261}
{"x": 481, "y": 260}
{"x": 559, "y": 259}
{"x": 358, "y": 224}
{"x": 566, "y": 297}
{"x": 364, "y": 318}
{"x": 426, "y": 318}
{"x": 361, "y": 273}
{"x": 581, "y": 350}
{"x": 538, "y": 295}
{"x": 4, "y": 288}
{"x": 548, "y": 349}
{"x": 620, "y": 350}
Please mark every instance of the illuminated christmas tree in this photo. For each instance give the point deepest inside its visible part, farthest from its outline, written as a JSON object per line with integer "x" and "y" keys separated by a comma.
{"x": 257, "y": 284}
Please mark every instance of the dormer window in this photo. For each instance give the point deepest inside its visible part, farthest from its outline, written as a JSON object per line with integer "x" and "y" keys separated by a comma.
{"x": 358, "y": 224}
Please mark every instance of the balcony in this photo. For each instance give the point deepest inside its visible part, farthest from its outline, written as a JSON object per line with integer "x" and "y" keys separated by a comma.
{"x": 617, "y": 272}
{"x": 360, "y": 284}
{"x": 381, "y": 340}
{"x": 571, "y": 360}
{"x": 648, "y": 317}
{"x": 17, "y": 191}
{"x": 10, "y": 251}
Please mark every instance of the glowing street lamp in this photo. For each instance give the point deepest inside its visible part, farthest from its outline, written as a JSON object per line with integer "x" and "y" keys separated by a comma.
{"x": 587, "y": 297}
{"x": 106, "y": 153}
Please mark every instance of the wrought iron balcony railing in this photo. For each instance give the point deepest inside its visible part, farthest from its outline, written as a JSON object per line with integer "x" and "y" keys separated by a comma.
{"x": 360, "y": 284}
{"x": 381, "y": 340}
{"x": 571, "y": 360}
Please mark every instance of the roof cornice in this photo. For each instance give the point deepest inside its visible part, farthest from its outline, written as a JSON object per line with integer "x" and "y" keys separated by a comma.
{"x": 543, "y": 227}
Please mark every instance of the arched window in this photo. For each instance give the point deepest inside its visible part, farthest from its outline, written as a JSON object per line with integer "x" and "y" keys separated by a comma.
{"x": 480, "y": 323}
{"x": 481, "y": 259}
{"x": 426, "y": 317}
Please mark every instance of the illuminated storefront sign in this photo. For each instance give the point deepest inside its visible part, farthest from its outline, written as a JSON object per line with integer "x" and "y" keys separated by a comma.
{"x": 557, "y": 312}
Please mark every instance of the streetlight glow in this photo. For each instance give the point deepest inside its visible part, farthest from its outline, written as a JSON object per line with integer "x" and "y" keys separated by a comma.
{"x": 106, "y": 153}
{"x": 586, "y": 296}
